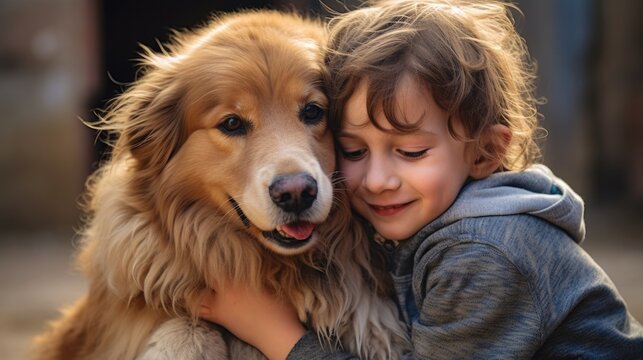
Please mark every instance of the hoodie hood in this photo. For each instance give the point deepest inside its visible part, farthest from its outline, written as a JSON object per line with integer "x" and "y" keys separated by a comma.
{"x": 535, "y": 191}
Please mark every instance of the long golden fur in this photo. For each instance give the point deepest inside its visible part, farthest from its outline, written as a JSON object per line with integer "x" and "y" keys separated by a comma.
{"x": 187, "y": 202}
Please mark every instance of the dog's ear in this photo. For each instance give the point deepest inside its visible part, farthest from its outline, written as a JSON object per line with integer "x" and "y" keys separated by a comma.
{"x": 156, "y": 128}
{"x": 147, "y": 119}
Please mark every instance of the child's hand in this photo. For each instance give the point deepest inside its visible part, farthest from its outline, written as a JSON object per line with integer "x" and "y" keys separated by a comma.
{"x": 256, "y": 317}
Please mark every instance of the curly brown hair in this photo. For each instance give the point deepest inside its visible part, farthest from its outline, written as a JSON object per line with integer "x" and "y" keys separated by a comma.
{"x": 467, "y": 53}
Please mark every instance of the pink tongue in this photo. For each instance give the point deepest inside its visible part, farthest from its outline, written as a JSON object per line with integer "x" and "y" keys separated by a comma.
{"x": 299, "y": 230}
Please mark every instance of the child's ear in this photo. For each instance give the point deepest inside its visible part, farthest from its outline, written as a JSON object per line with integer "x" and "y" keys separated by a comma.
{"x": 496, "y": 142}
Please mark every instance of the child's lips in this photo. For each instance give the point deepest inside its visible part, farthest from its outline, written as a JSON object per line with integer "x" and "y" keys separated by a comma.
{"x": 389, "y": 210}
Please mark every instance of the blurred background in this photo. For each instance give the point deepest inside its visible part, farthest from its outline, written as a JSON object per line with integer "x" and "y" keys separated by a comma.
{"x": 61, "y": 59}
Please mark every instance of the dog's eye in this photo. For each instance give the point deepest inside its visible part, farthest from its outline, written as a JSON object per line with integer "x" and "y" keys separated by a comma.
{"x": 311, "y": 114}
{"x": 234, "y": 126}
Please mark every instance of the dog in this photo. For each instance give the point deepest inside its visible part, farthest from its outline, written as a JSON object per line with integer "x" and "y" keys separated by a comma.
{"x": 223, "y": 168}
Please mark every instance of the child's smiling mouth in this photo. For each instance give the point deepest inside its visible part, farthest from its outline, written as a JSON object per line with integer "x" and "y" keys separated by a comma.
{"x": 389, "y": 210}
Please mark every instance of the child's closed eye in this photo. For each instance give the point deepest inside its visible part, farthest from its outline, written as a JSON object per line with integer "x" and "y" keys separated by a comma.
{"x": 413, "y": 154}
{"x": 353, "y": 155}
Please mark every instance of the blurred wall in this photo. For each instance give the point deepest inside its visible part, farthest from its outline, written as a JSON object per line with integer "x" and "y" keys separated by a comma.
{"x": 590, "y": 55}
{"x": 617, "y": 100}
{"x": 559, "y": 35}
{"x": 48, "y": 57}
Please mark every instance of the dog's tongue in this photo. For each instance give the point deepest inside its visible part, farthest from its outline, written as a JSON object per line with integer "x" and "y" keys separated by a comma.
{"x": 299, "y": 230}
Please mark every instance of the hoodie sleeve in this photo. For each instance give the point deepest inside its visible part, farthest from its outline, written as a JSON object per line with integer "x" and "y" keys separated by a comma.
{"x": 309, "y": 348}
{"x": 473, "y": 303}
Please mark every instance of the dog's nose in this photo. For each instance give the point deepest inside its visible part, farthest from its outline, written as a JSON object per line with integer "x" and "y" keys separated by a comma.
{"x": 293, "y": 193}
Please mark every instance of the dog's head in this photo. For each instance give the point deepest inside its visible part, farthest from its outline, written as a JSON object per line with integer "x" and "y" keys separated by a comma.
{"x": 234, "y": 116}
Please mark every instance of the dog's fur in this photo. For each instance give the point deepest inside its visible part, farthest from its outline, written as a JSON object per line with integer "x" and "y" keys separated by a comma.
{"x": 185, "y": 202}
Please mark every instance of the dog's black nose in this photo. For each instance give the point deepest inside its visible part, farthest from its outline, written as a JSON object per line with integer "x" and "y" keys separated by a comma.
{"x": 293, "y": 193}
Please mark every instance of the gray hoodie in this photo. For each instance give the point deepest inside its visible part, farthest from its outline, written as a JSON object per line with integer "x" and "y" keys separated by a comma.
{"x": 500, "y": 275}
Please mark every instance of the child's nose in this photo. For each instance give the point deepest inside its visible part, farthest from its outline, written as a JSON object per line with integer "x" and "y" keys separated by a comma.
{"x": 380, "y": 175}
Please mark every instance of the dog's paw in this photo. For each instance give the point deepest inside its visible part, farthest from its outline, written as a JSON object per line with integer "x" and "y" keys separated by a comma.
{"x": 180, "y": 339}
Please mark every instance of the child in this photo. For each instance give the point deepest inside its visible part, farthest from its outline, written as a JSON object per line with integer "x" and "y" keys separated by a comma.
{"x": 435, "y": 120}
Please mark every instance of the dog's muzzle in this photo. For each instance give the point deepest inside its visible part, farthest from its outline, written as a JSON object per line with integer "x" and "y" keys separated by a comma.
{"x": 294, "y": 194}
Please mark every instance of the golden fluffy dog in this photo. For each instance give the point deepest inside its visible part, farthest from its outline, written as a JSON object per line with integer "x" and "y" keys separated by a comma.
{"x": 222, "y": 170}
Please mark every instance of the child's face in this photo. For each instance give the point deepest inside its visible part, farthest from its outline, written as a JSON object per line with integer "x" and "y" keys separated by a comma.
{"x": 399, "y": 181}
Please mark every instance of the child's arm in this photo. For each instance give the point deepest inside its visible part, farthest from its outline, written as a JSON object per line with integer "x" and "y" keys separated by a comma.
{"x": 474, "y": 301}
{"x": 266, "y": 322}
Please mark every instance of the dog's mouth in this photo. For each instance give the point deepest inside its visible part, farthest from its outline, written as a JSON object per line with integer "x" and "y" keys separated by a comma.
{"x": 292, "y": 235}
